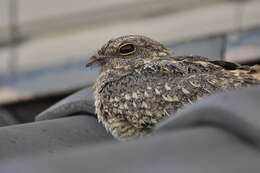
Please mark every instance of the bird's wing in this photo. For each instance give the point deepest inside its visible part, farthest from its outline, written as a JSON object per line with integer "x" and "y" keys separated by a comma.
{"x": 225, "y": 64}
{"x": 147, "y": 94}
{"x": 233, "y": 68}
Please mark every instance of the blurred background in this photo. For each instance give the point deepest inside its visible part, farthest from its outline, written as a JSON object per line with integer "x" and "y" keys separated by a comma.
{"x": 44, "y": 45}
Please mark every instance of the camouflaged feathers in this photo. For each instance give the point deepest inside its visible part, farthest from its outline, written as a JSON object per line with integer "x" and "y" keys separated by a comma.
{"x": 132, "y": 98}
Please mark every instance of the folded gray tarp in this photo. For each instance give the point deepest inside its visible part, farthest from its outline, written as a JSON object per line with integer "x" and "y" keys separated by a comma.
{"x": 217, "y": 134}
{"x": 6, "y": 118}
{"x": 81, "y": 102}
{"x": 50, "y": 136}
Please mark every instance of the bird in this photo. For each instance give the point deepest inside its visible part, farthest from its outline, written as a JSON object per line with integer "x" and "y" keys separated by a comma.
{"x": 142, "y": 82}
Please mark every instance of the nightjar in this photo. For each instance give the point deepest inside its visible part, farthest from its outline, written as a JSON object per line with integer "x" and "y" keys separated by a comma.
{"x": 142, "y": 82}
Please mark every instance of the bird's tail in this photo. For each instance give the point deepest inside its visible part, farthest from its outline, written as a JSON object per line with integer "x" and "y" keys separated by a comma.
{"x": 255, "y": 71}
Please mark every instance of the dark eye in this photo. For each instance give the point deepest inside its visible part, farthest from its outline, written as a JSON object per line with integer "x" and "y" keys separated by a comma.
{"x": 127, "y": 49}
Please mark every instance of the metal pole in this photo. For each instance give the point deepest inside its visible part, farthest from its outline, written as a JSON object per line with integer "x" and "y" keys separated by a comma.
{"x": 14, "y": 35}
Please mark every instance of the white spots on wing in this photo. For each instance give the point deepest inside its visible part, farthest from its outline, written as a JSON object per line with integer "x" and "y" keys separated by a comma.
{"x": 167, "y": 87}
{"x": 146, "y": 94}
{"x": 138, "y": 71}
{"x": 116, "y": 124}
{"x": 159, "y": 114}
{"x": 125, "y": 106}
{"x": 134, "y": 104}
{"x": 149, "y": 113}
{"x": 166, "y": 68}
{"x": 154, "y": 121}
{"x": 162, "y": 54}
{"x": 121, "y": 106}
{"x": 135, "y": 114}
{"x": 125, "y": 128}
{"x": 146, "y": 61}
{"x": 149, "y": 88}
{"x": 157, "y": 91}
{"x": 185, "y": 91}
{"x": 175, "y": 98}
{"x": 169, "y": 98}
{"x": 134, "y": 95}
{"x": 194, "y": 84}
{"x": 116, "y": 99}
{"x": 134, "y": 117}
{"x": 212, "y": 81}
{"x": 205, "y": 89}
{"x": 154, "y": 54}
{"x": 141, "y": 122}
{"x": 114, "y": 110}
{"x": 105, "y": 107}
{"x": 189, "y": 101}
{"x": 127, "y": 97}
{"x": 144, "y": 105}
{"x": 120, "y": 111}
{"x": 149, "y": 66}
{"x": 166, "y": 113}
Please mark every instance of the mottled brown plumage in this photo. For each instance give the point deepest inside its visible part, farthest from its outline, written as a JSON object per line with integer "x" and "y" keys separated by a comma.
{"x": 142, "y": 82}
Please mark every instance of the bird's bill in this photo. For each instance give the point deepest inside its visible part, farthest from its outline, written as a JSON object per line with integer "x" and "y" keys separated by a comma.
{"x": 97, "y": 60}
{"x": 92, "y": 60}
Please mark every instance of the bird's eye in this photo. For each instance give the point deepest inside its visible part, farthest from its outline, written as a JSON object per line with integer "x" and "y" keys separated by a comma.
{"x": 127, "y": 49}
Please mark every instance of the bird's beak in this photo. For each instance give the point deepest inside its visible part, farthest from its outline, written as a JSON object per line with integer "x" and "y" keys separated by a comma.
{"x": 92, "y": 60}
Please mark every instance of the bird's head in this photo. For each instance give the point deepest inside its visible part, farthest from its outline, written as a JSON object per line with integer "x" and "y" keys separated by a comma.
{"x": 128, "y": 50}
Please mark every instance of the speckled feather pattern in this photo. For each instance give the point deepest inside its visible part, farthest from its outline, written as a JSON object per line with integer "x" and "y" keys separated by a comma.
{"x": 133, "y": 94}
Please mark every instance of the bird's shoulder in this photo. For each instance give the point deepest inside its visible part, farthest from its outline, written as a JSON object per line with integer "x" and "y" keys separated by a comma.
{"x": 230, "y": 70}
{"x": 221, "y": 63}
{"x": 186, "y": 65}
{"x": 195, "y": 64}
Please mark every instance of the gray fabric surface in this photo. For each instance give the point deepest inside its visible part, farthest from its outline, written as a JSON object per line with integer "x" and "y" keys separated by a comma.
{"x": 82, "y": 102}
{"x": 6, "y": 118}
{"x": 201, "y": 150}
{"x": 50, "y": 136}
